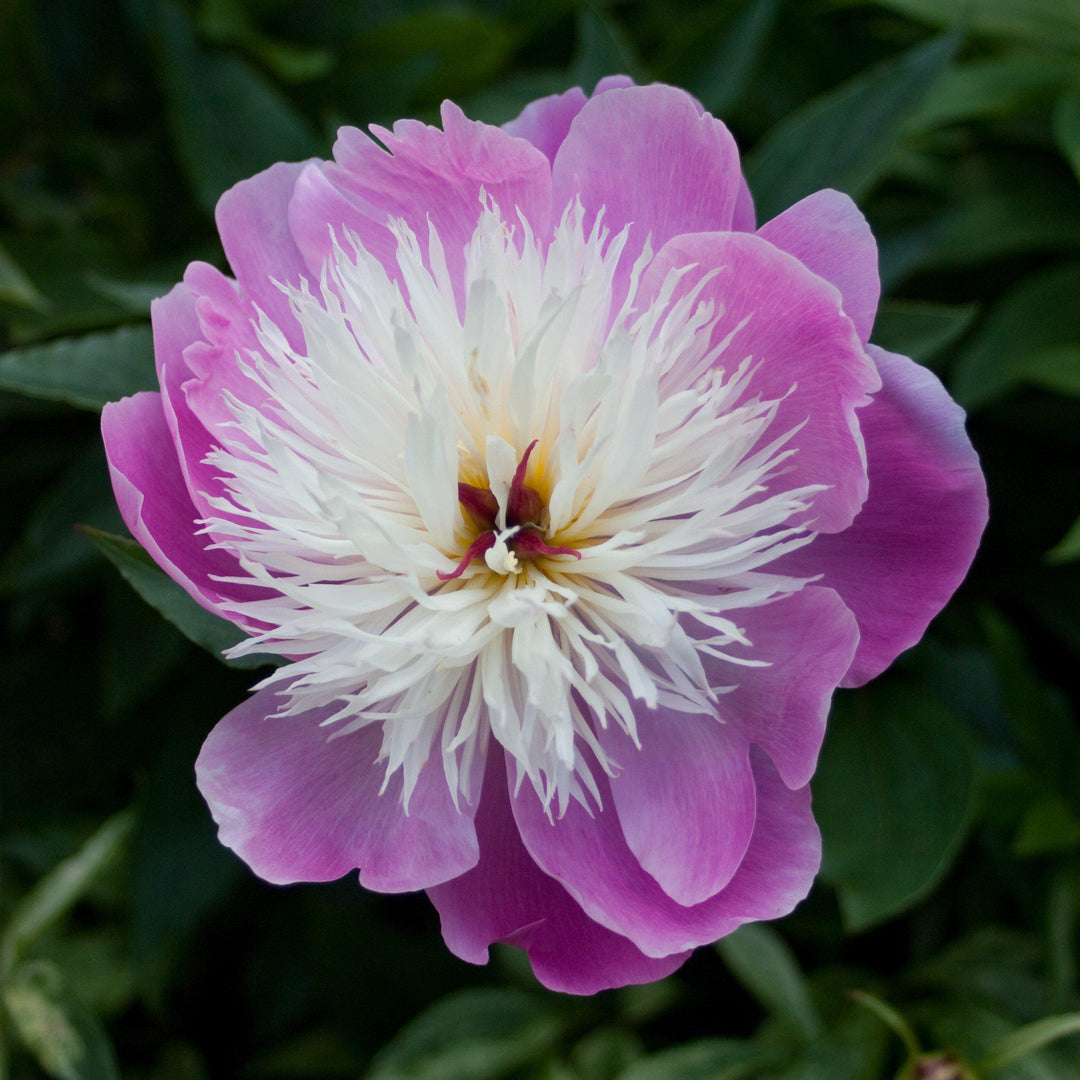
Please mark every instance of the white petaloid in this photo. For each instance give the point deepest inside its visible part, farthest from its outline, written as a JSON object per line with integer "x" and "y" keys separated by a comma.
{"x": 518, "y": 509}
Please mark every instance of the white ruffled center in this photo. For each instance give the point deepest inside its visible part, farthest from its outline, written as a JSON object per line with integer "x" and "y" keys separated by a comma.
{"x": 650, "y": 462}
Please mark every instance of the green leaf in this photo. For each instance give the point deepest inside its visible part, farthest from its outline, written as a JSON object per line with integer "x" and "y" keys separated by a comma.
{"x": 16, "y": 287}
{"x": 993, "y": 87}
{"x": 1044, "y": 22}
{"x": 761, "y": 960}
{"x": 1053, "y": 367}
{"x": 228, "y": 122}
{"x": 62, "y": 887}
{"x": 1048, "y": 825}
{"x": 605, "y": 1052}
{"x": 603, "y": 48}
{"x": 1040, "y": 311}
{"x": 1068, "y": 548}
{"x": 707, "y": 1059}
{"x": 83, "y": 371}
{"x": 204, "y": 628}
{"x": 1039, "y": 717}
{"x": 730, "y": 64}
{"x": 471, "y": 1035}
{"x": 893, "y": 796}
{"x": 1067, "y": 127}
{"x": 228, "y": 22}
{"x": 921, "y": 329}
{"x": 852, "y": 1049}
{"x": 844, "y": 138}
{"x": 1026, "y": 1040}
{"x": 890, "y": 1017}
{"x": 56, "y": 1027}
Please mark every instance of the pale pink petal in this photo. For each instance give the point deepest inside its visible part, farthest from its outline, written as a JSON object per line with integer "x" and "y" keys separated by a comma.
{"x": 649, "y": 157}
{"x": 252, "y": 218}
{"x": 809, "y": 639}
{"x": 915, "y": 538}
{"x": 805, "y": 351}
{"x": 425, "y": 175}
{"x": 507, "y": 898}
{"x": 297, "y": 804}
{"x": 587, "y": 853}
{"x": 685, "y": 800}
{"x": 827, "y": 233}
{"x": 154, "y": 501}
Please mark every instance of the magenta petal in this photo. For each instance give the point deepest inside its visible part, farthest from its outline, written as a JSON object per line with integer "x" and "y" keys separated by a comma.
{"x": 428, "y": 176}
{"x": 154, "y": 500}
{"x": 252, "y": 218}
{"x": 915, "y": 538}
{"x": 686, "y": 800}
{"x": 297, "y": 804}
{"x": 507, "y": 898}
{"x": 807, "y": 354}
{"x": 649, "y": 157}
{"x": 809, "y": 639}
{"x": 827, "y": 233}
{"x": 588, "y": 854}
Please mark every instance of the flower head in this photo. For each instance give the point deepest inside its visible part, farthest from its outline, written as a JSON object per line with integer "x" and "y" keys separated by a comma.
{"x": 568, "y": 500}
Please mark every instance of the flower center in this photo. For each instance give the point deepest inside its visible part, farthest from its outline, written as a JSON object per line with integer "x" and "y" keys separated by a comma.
{"x": 502, "y": 544}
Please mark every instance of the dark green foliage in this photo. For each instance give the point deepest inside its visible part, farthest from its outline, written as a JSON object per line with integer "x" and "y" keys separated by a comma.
{"x": 132, "y": 944}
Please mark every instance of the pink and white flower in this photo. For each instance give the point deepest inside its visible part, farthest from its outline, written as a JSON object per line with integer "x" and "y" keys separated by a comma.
{"x": 568, "y": 498}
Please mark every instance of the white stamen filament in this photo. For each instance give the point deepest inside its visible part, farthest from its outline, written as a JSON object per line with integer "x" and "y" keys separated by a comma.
{"x": 654, "y": 461}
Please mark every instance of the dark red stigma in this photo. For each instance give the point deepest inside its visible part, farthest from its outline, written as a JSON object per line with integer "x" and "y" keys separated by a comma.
{"x": 523, "y": 507}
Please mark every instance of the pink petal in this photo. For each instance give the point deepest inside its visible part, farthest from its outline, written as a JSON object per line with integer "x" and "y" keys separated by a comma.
{"x": 649, "y": 157}
{"x": 805, "y": 350}
{"x": 506, "y": 897}
{"x": 809, "y": 639}
{"x": 588, "y": 854}
{"x": 546, "y": 121}
{"x": 427, "y": 175}
{"x": 177, "y": 326}
{"x": 686, "y": 800}
{"x": 827, "y": 234}
{"x": 154, "y": 500}
{"x": 297, "y": 804}
{"x": 915, "y": 538}
{"x": 252, "y": 218}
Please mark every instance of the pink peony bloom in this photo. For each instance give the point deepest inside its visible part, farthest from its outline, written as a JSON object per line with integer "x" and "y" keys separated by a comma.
{"x": 569, "y": 498}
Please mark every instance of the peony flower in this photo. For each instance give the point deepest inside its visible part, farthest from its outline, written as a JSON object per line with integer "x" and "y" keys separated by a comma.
{"x": 567, "y": 496}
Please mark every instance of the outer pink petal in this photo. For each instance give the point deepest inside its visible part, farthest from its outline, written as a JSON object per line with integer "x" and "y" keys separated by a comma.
{"x": 588, "y": 854}
{"x": 686, "y": 800}
{"x": 806, "y": 355}
{"x": 428, "y": 175}
{"x": 649, "y": 157}
{"x": 176, "y": 327}
{"x": 809, "y": 639}
{"x": 297, "y": 804}
{"x": 915, "y": 538}
{"x": 252, "y": 218}
{"x": 827, "y": 233}
{"x": 506, "y": 897}
{"x": 154, "y": 500}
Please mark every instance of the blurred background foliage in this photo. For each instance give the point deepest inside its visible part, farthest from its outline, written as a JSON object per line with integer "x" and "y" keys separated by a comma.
{"x": 943, "y": 928}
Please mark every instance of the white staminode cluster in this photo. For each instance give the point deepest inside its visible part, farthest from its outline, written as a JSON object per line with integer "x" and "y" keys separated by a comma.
{"x": 650, "y": 459}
